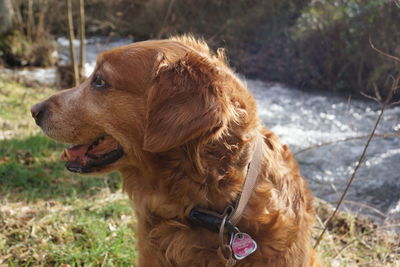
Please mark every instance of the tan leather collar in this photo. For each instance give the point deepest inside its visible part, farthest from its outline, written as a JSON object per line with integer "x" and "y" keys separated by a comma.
{"x": 250, "y": 181}
{"x": 232, "y": 214}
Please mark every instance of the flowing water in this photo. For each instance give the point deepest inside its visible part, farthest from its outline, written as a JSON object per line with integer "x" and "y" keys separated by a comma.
{"x": 327, "y": 133}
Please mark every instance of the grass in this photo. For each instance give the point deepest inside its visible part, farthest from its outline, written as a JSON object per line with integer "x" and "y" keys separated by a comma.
{"x": 354, "y": 240}
{"x": 51, "y": 217}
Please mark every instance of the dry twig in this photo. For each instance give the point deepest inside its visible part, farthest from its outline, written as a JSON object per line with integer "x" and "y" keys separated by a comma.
{"x": 167, "y": 15}
{"x": 29, "y": 23}
{"x": 82, "y": 38}
{"x": 71, "y": 38}
{"x": 395, "y": 59}
{"x": 384, "y": 135}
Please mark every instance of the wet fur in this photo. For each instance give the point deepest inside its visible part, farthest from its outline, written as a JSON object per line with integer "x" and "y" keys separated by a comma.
{"x": 186, "y": 124}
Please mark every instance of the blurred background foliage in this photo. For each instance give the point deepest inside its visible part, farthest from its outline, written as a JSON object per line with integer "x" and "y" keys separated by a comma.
{"x": 310, "y": 44}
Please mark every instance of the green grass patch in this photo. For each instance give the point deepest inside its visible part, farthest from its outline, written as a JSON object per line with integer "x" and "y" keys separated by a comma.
{"x": 94, "y": 236}
{"x": 97, "y": 232}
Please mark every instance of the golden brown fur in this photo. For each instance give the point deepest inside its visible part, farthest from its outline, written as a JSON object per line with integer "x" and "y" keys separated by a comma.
{"x": 186, "y": 124}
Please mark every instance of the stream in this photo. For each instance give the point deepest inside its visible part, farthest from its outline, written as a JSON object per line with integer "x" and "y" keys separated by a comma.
{"x": 327, "y": 133}
{"x": 313, "y": 125}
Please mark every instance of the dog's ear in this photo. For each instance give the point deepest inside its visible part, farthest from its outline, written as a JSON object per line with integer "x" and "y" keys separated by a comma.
{"x": 183, "y": 103}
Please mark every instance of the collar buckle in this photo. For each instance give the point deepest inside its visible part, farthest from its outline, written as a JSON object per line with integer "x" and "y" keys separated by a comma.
{"x": 212, "y": 220}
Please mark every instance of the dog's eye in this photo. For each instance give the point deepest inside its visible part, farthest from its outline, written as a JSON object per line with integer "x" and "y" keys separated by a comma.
{"x": 99, "y": 83}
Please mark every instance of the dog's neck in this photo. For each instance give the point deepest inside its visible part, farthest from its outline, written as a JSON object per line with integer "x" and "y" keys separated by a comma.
{"x": 209, "y": 175}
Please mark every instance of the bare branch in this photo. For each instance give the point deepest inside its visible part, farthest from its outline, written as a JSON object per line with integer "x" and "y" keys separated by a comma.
{"x": 393, "y": 89}
{"x": 397, "y": 3}
{"x": 388, "y": 226}
{"x": 167, "y": 15}
{"x": 377, "y": 94}
{"x": 365, "y": 206}
{"x": 221, "y": 29}
{"x": 71, "y": 38}
{"x": 394, "y": 103}
{"x": 82, "y": 38}
{"x": 370, "y": 97}
{"x": 397, "y": 60}
{"x": 384, "y": 135}
{"x": 29, "y": 23}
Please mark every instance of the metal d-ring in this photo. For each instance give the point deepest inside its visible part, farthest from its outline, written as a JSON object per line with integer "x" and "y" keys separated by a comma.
{"x": 225, "y": 249}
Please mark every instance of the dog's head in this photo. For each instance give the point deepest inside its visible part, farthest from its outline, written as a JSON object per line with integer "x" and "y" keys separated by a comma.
{"x": 146, "y": 97}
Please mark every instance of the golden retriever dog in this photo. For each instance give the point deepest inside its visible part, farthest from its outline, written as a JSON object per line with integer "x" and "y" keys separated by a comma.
{"x": 178, "y": 124}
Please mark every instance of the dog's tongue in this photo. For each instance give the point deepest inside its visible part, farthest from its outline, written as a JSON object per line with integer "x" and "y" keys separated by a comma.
{"x": 82, "y": 154}
{"x": 76, "y": 153}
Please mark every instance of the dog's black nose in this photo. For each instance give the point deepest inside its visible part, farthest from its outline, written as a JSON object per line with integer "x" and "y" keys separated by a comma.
{"x": 38, "y": 111}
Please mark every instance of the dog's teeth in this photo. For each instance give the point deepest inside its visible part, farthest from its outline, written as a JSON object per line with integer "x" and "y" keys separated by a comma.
{"x": 65, "y": 155}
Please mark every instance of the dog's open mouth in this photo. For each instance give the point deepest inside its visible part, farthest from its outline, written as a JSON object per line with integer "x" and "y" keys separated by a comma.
{"x": 92, "y": 157}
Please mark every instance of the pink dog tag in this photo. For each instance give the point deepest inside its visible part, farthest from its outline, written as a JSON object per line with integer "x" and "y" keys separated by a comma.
{"x": 242, "y": 245}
